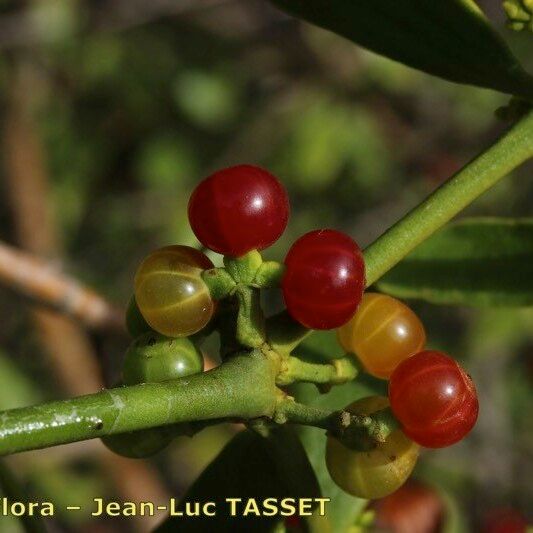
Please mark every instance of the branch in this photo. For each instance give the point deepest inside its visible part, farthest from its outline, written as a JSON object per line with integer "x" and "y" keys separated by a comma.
{"x": 42, "y": 281}
{"x": 250, "y": 318}
{"x": 242, "y": 387}
{"x": 511, "y": 150}
{"x": 29, "y": 192}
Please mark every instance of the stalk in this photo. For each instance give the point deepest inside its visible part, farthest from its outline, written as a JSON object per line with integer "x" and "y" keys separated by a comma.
{"x": 511, "y": 150}
{"x": 243, "y": 387}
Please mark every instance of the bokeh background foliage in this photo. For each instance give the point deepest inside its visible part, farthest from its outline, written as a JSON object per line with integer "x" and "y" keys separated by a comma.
{"x": 113, "y": 110}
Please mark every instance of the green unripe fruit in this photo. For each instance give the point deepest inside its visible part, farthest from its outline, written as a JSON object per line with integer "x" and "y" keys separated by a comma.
{"x": 153, "y": 358}
{"x": 139, "y": 444}
{"x": 135, "y": 322}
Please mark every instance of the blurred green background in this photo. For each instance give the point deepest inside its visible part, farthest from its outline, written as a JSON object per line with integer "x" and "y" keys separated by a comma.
{"x": 111, "y": 112}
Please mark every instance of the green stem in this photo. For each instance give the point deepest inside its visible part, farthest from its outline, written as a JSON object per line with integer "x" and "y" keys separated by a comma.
{"x": 297, "y": 413}
{"x": 355, "y": 431}
{"x": 220, "y": 283}
{"x": 250, "y": 319}
{"x": 338, "y": 371}
{"x": 244, "y": 269}
{"x": 242, "y": 387}
{"x": 515, "y": 147}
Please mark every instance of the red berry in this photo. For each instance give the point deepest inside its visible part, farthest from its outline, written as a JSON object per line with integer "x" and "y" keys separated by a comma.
{"x": 293, "y": 522}
{"x": 413, "y": 508}
{"x": 505, "y": 520}
{"x": 324, "y": 280}
{"x": 239, "y": 209}
{"x": 433, "y": 398}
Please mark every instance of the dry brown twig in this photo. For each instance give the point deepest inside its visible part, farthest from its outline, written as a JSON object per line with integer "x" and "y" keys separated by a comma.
{"x": 67, "y": 345}
{"x": 44, "y": 282}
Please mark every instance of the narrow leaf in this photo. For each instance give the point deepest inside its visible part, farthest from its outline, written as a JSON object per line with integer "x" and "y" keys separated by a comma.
{"x": 10, "y": 488}
{"x": 447, "y": 38}
{"x": 250, "y": 466}
{"x": 477, "y": 262}
{"x": 343, "y": 509}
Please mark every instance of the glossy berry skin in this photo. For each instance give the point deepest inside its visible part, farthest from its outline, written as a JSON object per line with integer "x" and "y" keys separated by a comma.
{"x": 239, "y": 209}
{"x": 324, "y": 279}
{"x": 153, "y": 358}
{"x": 139, "y": 444}
{"x": 382, "y": 333}
{"x": 170, "y": 292}
{"x": 375, "y": 473}
{"x": 434, "y": 399}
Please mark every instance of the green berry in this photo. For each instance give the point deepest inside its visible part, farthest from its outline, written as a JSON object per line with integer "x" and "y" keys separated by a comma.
{"x": 139, "y": 444}
{"x": 153, "y": 358}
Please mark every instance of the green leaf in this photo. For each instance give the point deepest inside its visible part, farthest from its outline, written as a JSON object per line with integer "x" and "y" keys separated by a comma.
{"x": 250, "y": 466}
{"x": 10, "y": 488}
{"x": 16, "y": 388}
{"x": 447, "y": 38}
{"x": 478, "y": 262}
{"x": 343, "y": 509}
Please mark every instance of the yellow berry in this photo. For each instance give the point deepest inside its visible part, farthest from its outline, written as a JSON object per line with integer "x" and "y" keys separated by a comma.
{"x": 375, "y": 473}
{"x": 170, "y": 292}
{"x": 382, "y": 333}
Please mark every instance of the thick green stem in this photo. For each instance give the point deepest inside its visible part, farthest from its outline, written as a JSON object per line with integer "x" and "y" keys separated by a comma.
{"x": 515, "y": 147}
{"x": 243, "y": 387}
{"x": 244, "y": 269}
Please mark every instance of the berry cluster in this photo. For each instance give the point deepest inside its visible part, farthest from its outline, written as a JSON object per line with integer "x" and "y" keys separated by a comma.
{"x": 238, "y": 211}
{"x": 431, "y": 396}
{"x": 233, "y": 212}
